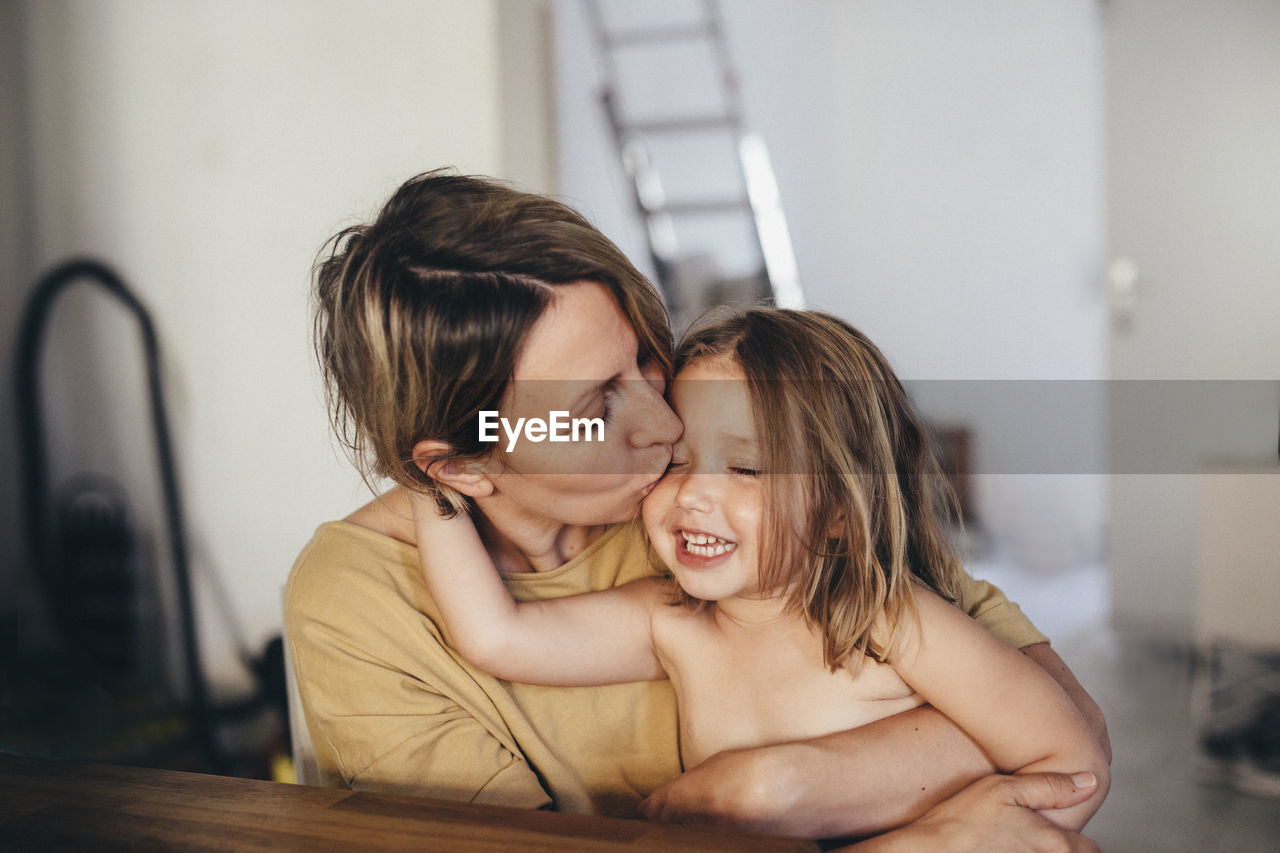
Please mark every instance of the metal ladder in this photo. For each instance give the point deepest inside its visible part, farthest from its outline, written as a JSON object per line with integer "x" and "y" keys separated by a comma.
{"x": 702, "y": 182}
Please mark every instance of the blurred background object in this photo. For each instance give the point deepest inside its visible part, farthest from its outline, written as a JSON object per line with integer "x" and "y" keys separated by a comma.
{"x": 93, "y": 690}
{"x": 701, "y": 179}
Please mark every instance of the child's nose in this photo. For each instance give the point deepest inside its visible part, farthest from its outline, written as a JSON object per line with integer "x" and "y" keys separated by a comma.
{"x": 695, "y": 493}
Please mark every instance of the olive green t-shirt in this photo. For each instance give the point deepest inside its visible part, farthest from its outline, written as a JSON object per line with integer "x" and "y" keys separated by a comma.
{"x": 392, "y": 708}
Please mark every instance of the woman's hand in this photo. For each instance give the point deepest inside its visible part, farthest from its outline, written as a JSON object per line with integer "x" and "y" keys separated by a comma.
{"x": 998, "y": 814}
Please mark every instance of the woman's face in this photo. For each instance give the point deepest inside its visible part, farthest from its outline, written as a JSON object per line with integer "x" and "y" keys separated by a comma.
{"x": 580, "y": 358}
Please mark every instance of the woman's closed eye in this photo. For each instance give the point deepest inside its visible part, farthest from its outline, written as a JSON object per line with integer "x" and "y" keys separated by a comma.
{"x": 744, "y": 471}
{"x": 606, "y": 398}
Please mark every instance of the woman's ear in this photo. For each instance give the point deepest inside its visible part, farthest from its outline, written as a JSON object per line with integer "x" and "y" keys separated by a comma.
{"x": 467, "y": 476}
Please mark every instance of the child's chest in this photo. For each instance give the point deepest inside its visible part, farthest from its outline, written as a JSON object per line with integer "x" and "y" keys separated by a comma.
{"x": 748, "y": 689}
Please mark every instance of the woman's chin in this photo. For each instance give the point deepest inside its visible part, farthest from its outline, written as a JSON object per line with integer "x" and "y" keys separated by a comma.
{"x": 598, "y": 513}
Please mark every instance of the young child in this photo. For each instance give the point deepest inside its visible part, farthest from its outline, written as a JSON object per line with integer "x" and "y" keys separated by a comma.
{"x": 802, "y": 520}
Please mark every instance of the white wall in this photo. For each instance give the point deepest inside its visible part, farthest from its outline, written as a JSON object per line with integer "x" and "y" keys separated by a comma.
{"x": 940, "y": 166}
{"x": 528, "y": 113}
{"x": 206, "y": 150}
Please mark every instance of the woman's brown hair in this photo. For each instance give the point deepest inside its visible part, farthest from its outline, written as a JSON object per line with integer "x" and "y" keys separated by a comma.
{"x": 873, "y": 503}
{"x": 420, "y": 315}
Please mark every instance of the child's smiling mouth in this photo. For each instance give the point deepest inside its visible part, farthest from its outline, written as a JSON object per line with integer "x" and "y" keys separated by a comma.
{"x": 702, "y": 548}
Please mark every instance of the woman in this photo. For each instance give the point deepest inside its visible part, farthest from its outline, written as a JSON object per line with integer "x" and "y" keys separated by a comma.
{"x": 462, "y": 297}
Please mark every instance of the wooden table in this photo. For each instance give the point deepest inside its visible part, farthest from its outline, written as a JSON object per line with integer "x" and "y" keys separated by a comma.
{"x": 50, "y": 805}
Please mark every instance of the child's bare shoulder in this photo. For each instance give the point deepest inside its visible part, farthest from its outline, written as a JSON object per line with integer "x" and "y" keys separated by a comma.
{"x": 673, "y": 619}
{"x": 645, "y": 592}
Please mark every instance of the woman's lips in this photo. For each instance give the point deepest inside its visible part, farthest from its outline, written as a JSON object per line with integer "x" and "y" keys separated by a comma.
{"x": 662, "y": 472}
{"x": 699, "y": 550}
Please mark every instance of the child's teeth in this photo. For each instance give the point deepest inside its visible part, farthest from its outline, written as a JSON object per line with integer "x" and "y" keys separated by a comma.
{"x": 706, "y": 545}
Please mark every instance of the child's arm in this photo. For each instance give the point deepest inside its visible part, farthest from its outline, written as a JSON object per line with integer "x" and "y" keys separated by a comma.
{"x": 1008, "y": 705}
{"x": 596, "y": 638}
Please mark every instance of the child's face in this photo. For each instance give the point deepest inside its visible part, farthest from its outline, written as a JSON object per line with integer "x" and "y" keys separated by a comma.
{"x": 704, "y": 516}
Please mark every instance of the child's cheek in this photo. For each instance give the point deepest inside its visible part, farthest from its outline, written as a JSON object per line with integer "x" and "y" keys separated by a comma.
{"x": 654, "y": 509}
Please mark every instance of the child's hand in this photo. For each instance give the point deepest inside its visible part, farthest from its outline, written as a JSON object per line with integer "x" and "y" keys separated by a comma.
{"x": 445, "y": 534}
{"x": 425, "y": 508}
{"x": 445, "y": 543}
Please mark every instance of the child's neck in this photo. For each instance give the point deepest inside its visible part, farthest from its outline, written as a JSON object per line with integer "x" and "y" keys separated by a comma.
{"x": 743, "y": 613}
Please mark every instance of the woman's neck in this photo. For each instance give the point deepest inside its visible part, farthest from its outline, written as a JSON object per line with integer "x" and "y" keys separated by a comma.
{"x": 523, "y": 541}
{"x": 517, "y": 540}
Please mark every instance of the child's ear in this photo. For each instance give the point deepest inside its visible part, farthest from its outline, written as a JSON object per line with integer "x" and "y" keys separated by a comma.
{"x": 467, "y": 476}
{"x": 836, "y": 528}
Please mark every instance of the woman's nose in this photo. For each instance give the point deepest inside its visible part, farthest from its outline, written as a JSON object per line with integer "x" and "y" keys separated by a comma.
{"x": 655, "y": 422}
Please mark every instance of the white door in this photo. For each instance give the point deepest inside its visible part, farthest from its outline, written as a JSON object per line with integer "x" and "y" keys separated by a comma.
{"x": 1193, "y": 185}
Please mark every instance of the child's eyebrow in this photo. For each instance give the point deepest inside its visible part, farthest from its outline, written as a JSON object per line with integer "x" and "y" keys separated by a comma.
{"x": 742, "y": 441}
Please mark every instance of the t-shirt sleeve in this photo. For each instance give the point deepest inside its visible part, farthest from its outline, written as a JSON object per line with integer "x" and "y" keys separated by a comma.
{"x": 990, "y": 608}
{"x": 379, "y": 717}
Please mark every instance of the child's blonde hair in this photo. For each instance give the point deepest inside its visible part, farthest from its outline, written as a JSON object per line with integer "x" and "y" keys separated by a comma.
{"x": 873, "y": 503}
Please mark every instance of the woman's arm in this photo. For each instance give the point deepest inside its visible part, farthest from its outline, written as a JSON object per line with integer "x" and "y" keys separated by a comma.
{"x": 389, "y": 708}
{"x": 1011, "y": 708}
{"x": 853, "y": 783}
{"x": 595, "y": 638}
